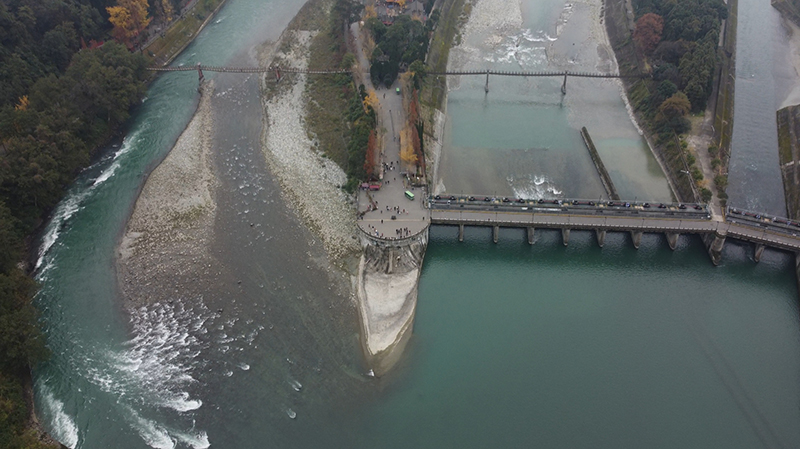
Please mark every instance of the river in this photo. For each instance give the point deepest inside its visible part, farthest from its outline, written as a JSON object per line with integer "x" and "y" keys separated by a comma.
{"x": 766, "y": 80}
{"x": 522, "y": 137}
{"x": 513, "y": 344}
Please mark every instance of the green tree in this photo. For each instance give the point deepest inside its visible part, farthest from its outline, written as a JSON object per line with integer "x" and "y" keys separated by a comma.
{"x": 671, "y": 114}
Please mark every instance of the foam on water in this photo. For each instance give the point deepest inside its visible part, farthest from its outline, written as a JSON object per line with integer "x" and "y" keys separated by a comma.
{"x": 127, "y": 145}
{"x": 152, "y": 433}
{"x": 197, "y": 440}
{"x": 72, "y": 203}
{"x": 523, "y": 49}
{"x": 160, "y": 436}
{"x": 533, "y": 187}
{"x": 63, "y": 427}
{"x": 65, "y": 210}
{"x": 152, "y": 373}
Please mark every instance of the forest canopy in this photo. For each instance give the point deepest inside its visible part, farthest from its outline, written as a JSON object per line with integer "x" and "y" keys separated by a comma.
{"x": 65, "y": 89}
{"x": 679, "y": 39}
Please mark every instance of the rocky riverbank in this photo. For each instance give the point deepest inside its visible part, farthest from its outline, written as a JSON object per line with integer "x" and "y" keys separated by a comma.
{"x": 166, "y": 242}
{"x": 311, "y": 183}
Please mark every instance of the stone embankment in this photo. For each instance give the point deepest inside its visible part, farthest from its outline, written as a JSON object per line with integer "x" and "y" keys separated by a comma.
{"x": 605, "y": 178}
{"x": 789, "y": 150}
{"x": 386, "y": 288}
{"x": 164, "y": 250}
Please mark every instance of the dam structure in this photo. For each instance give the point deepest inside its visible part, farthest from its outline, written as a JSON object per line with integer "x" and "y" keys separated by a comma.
{"x": 618, "y": 216}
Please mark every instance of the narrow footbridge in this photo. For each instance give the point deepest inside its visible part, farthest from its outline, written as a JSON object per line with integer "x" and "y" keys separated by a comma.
{"x": 280, "y": 70}
{"x": 211, "y": 68}
{"x": 670, "y": 219}
{"x": 543, "y": 73}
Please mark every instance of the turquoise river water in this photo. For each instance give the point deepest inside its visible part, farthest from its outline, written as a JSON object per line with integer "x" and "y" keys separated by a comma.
{"x": 514, "y": 345}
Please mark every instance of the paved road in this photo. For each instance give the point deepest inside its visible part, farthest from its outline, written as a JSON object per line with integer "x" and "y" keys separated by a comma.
{"x": 411, "y": 216}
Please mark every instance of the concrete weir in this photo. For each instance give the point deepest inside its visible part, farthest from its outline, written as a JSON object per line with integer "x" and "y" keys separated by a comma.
{"x": 386, "y": 290}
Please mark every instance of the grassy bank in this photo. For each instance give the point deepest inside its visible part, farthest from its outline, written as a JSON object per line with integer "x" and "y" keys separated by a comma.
{"x": 433, "y": 92}
{"x": 181, "y": 33}
{"x": 327, "y": 96}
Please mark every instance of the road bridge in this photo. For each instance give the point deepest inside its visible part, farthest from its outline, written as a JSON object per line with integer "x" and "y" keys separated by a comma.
{"x": 671, "y": 220}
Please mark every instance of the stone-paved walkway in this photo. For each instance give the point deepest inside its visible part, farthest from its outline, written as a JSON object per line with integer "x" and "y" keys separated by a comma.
{"x": 410, "y": 216}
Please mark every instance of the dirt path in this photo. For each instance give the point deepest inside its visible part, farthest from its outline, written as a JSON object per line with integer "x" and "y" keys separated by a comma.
{"x": 699, "y": 139}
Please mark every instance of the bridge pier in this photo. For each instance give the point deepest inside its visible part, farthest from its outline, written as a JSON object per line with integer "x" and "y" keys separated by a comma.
{"x": 564, "y": 85}
{"x": 495, "y": 233}
{"x": 461, "y": 233}
{"x": 486, "y": 87}
{"x": 758, "y": 252}
{"x": 797, "y": 268}
{"x": 530, "y": 235}
{"x": 565, "y": 236}
{"x": 601, "y": 237}
{"x": 636, "y": 237}
{"x": 672, "y": 239}
{"x": 200, "y": 77}
{"x": 715, "y": 242}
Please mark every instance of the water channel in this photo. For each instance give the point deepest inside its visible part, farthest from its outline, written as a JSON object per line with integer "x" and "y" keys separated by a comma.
{"x": 522, "y": 138}
{"x": 514, "y": 344}
{"x": 766, "y": 80}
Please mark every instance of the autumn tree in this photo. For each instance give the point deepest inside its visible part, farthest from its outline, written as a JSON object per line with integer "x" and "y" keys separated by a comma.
{"x": 129, "y": 18}
{"x": 671, "y": 114}
{"x": 648, "y": 31}
{"x": 371, "y": 157}
{"x": 165, "y": 10}
{"x": 407, "y": 153}
{"x": 23, "y": 104}
{"x": 371, "y": 101}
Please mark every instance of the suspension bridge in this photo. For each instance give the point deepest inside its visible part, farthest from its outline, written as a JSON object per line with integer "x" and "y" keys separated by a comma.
{"x": 279, "y": 71}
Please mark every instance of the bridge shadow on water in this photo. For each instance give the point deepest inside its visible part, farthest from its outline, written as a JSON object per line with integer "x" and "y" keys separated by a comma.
{"x": 618, "y": 248}
{"x": 581, "y": 346}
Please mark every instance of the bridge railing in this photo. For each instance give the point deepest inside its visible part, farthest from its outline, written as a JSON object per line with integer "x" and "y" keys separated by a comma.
{"x": 542, "y": 73}
{"x": 608, "y": 208}
{"x": 762, "y": 220}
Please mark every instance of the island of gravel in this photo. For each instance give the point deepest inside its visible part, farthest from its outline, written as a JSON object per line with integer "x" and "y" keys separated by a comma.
{"x": 165, "y": 244}
{"x": 167, "y": 239}
{"x": 384, "y": 278}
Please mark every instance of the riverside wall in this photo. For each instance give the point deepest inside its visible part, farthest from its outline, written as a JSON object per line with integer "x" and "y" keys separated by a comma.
{"x": 386, "y": 289}
{"x": 789, "y": 150}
